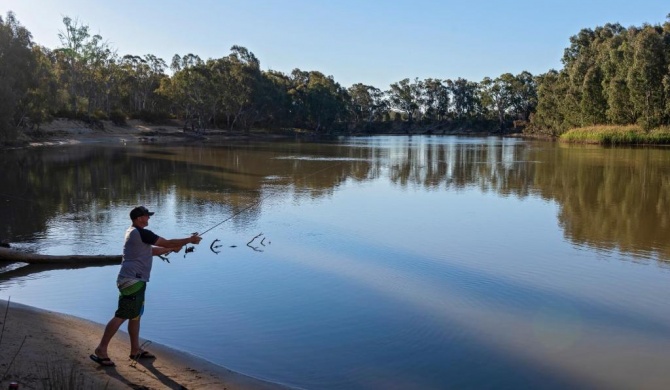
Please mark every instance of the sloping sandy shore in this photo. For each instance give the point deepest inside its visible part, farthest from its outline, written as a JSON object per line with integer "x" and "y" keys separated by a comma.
{"x": 42, "y": 349}
{"x": 73, "y": 132}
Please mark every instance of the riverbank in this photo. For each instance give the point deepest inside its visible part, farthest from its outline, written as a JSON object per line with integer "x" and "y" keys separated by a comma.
{"x": 43, "y": 349}
{"x": 63, "y": 131}
{"x": 72, "y": 132}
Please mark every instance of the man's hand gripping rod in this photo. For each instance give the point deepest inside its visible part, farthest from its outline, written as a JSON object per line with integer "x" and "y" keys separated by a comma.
{"x": 195, "y": 236}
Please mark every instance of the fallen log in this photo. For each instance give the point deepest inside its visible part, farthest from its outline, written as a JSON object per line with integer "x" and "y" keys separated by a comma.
{"x": 10, "y": 255}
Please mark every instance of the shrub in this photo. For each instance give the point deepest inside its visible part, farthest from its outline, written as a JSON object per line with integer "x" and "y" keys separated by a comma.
{"x": 118, "y": 117}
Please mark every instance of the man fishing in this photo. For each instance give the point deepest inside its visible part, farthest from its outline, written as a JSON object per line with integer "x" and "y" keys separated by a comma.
{"x": 138, "y": 250}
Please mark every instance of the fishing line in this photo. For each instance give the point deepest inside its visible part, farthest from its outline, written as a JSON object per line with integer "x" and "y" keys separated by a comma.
{"x": 164, "y": 257}
{"x": 261, "y": 199}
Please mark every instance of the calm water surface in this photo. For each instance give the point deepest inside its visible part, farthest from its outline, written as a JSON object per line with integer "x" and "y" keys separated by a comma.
{"x": 376, "y": 263}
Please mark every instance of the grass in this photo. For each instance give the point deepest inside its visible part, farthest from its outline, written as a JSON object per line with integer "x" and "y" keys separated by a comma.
{"x": 60, "y": 376}
{"x": 617, "y": 135}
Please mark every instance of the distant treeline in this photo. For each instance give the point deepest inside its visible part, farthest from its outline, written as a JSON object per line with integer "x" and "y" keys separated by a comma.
{"x": 611, "y": 75}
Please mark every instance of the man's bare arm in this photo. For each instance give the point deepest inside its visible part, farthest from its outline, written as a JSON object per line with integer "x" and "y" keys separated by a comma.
{"x": 177, "y": 242}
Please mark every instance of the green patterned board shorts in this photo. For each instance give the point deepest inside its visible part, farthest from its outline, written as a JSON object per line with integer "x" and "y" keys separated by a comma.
{"x": 131, "y": 300}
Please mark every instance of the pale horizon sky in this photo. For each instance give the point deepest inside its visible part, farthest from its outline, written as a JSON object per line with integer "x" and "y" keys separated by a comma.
{"x": 368, "y": 41}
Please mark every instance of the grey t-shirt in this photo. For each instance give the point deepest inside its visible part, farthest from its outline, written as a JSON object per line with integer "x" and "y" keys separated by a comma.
{"x": 137, "y": 257}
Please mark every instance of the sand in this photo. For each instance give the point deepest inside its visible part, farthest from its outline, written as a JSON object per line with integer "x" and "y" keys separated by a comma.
{"x": 42, "y": 349}
{"x": 73, "y": 132}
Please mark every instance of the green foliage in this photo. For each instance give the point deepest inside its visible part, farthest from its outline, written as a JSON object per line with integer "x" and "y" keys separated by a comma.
{"x": 611, "y": 76}
{"x": 405, "y": 96}
{"x": 466, "y": 98}
{"x": 645, "y": 77}
{"x": 367, "y": 103}
{"x": 16, "y": 70}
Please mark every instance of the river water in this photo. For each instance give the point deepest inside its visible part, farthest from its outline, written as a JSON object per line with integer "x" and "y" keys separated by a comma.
{"x": 425, "y": 262}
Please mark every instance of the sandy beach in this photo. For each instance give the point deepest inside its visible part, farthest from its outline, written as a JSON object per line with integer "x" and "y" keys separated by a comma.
{"x": 42, "y": 349}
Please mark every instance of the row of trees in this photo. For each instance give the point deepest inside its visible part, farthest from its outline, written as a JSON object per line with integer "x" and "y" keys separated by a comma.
{"x": 612, "y": 75}
{"x": 85, "y": 78}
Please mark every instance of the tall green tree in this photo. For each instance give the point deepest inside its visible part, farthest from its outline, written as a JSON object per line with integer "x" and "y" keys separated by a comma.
{"x": 85, "y": 56}
{"x": 549, "y": 118}
{"x": 578, "y": 59}
{"x": 273, "y": 100}
{"x": 524, "y": 89}
{"x": 616, "y": 61}
{"x": 16, "y": 73}
{"x": 593, "y": 102}
{"x": 42, "y": 96}
{"x": 645, "y": 78}
{"x": 191, "y": 91}
{"x": 498, "y": 96}
{"x": 405, "y": 96}
{"x": 239, "y": 83}
{"x": 142, "y": 77}
{"x": 318, "y": 101}
{"x": 367, "y": 103}
{"x": 466, "y": 98}
{"x": 436, "y": 99}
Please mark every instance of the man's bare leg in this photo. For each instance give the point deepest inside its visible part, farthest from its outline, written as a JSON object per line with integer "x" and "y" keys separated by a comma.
{"x": 134, "y": 333}
{"x": 110, "y": 330}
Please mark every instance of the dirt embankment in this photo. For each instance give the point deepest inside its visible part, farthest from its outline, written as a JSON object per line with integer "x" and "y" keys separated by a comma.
{"x": 70, "y": 132}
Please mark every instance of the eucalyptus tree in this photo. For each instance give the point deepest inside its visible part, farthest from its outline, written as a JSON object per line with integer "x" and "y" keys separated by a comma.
{"x": 317, "y": 100}
{"x": 436, "y": 99}
{"x": 645, "y": 78}
{"x": 616, "y": 62}
{"x": 593, "y": 103}
{"x": 406, "y": 97}
{"x": 142, "y": 77}
{"x": 465, "y": 95}
{"x": 605, "y": 93}
{"x": 189, "y": 89}
{"x": 524, "y": 100}
{"x": 367, "y": 103}
{"x": 548, "y": 116}
{"x": 238, "y": 81}
{"x": 297, "y": 93}
{"x": 598, "y": 75}
{"x": 578, "y": 59}
{"x": 273, "y": 100}
{"x": 498, "y": 96}
{"x": 16, "y": 73}
{"x": 42, "y": 96}
{"x": 85, "y": 56}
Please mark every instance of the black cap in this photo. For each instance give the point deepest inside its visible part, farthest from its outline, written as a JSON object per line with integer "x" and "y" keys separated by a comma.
{"x": 139, "y": 211}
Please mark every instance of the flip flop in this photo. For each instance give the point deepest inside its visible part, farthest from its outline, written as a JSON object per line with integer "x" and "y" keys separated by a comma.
{"x": 106, "y": 362}
{"x": 143, "y": 355}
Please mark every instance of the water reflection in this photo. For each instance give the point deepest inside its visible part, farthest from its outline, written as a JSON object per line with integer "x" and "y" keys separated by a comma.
{"x": 611, "y": 199}
{"x": 420, "y": 262}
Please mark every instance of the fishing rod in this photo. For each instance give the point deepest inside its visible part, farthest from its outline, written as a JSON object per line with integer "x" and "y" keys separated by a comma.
{"x": 188, "y": 250}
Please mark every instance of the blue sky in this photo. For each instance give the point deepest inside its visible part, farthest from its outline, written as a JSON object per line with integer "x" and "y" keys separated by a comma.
{"x": 370, "y": 41}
